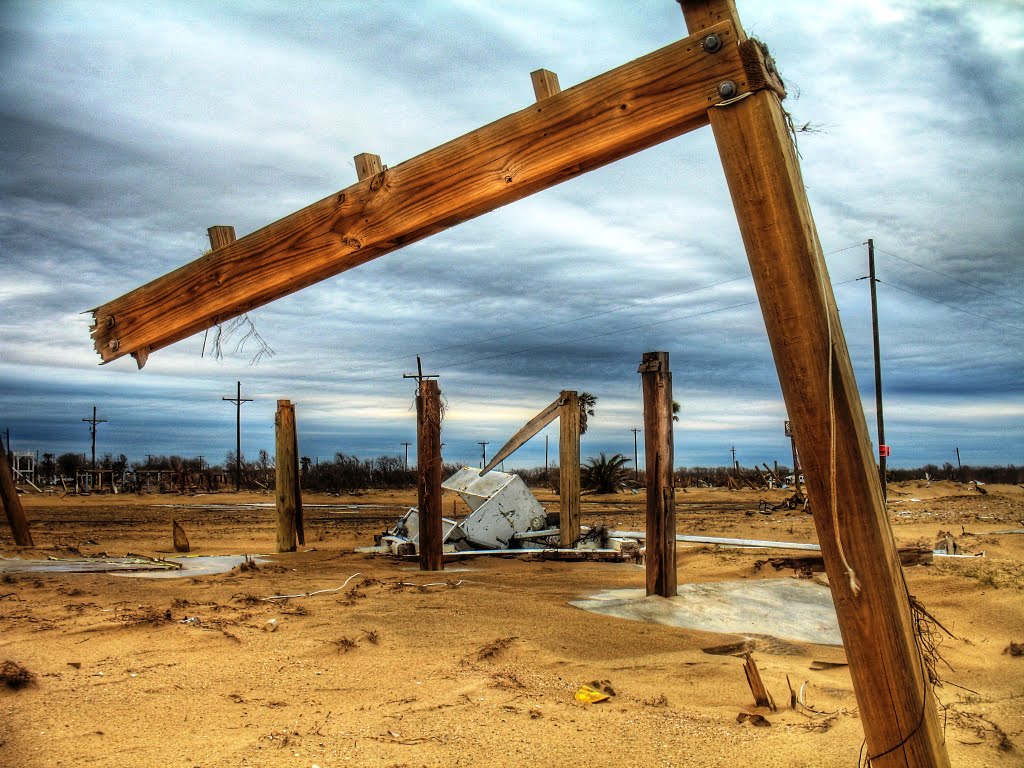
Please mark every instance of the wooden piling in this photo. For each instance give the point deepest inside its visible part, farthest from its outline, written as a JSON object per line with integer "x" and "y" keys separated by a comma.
{"x": 900, "y": 722}
{"x": 569, "y": 469}
{"x": 656, "y": 381}
{"x": 367, "y": 165}
{"x": 428, "y": 459}
{"x": 12, "y": 504}
{"x": 286, "y": 462}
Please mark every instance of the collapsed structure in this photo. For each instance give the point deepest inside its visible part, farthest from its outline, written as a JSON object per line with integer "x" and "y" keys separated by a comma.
{"x": 504, "y": 515}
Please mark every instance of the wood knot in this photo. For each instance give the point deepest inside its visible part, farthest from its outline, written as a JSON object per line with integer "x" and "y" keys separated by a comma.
{"x": 378, "y": 181}
{"x": 352, "y": 242}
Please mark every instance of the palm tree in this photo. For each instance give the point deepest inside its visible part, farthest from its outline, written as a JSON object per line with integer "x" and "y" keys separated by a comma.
{"x": 587, "y": 404}
{"x": 603, "y": 474}
{"x": 676, "y": 407}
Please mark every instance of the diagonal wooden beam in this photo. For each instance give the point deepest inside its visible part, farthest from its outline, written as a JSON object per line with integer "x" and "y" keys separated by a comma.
{"x": 531, "y": 428}
{"x": 637, "y": 105}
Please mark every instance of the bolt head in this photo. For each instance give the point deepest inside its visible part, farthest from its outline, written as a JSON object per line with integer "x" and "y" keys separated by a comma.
{"x": 727, "y": 89}
{"x": 711, "y": 43}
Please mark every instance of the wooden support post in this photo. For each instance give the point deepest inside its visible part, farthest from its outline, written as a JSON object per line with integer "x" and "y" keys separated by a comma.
{"x": 12, "y": 504}
{"x": 900, "y": 723}
{"x": 220, "y": 235}
{"x": 659, "y": 453}
{"x": 286, "y": 462}
{"x": 367, "y": 165}
{"x": 569, "y": 469}
{"x": 545, "y": 84}
{"x": 428, "y": 460}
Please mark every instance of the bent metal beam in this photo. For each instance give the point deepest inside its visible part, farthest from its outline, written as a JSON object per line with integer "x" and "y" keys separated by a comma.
{"x": 645, "y": 102}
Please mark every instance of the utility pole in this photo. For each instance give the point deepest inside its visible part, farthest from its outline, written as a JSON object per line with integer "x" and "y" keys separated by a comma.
{"x": 636, "y": 453}
{"x": 883, "y": 448}
{"x": 407, "y": 444}
{"x": 959, "y": 466}
{"x": 92, "y": 431}
{"x": 545, "y": 457}
{"x": 238, "y": 400}
{"x": 734, "y": 465}
{"x": 484, "y": 446}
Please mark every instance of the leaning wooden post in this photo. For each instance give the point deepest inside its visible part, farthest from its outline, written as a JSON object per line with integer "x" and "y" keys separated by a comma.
{"x": 656, "y": 380}
{"x": 286, "y": 463}
{"x": 900, "y": 723}
{"x": 12, "y": 504}
{"x": 428, "y": 459}
{"x": 569, "y": 469}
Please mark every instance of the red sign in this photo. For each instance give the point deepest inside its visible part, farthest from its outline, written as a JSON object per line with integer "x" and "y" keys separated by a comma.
{"x": 883, "y": 451}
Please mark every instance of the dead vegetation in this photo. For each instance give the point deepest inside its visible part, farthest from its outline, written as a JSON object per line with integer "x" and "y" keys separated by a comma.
{"x": 15, "y": 676}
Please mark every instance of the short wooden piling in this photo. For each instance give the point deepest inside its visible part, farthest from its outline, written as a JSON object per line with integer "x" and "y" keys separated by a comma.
{"x": 286, "y": 461}
{"x": 569, "y": 469}
{"x": 656, "y": 380}
{"x": 428, "y": 458}
{"x": 12, "y": 504}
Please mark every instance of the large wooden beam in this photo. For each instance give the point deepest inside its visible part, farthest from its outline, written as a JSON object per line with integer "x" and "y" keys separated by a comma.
{"x": 650, "y": 100}
{"x": 656, "y": 381}
{"x": 429, "y": 465}
{"x": 569, "y": 468}
{"x": 763, "y": 173}
{"x": 531, "y": 428}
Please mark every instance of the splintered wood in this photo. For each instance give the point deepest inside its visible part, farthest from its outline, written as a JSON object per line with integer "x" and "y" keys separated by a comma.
{"x": 761, "y": 696}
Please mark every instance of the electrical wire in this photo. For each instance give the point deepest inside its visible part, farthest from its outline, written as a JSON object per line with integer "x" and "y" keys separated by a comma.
{"x": 952, "y": 306}
{"x": 951, "y": 277}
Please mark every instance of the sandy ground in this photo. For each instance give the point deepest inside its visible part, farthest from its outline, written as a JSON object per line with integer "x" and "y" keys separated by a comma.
{"x": 476, "y": 666}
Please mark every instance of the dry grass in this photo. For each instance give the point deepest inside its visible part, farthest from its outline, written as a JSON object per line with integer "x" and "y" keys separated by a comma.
{"x": 15, "y": 676}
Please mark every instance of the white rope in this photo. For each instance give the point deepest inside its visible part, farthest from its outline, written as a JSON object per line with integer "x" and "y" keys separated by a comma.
{"x": 850, "y": 573}
{"x": 317, "y": 592}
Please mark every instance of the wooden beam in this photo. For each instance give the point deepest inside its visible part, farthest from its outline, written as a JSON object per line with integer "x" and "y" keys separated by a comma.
{"x": 286, "y": 463}
{"x": 532, "y": 427}
{"x": 428, "y": 464}
{"x": 569, "y": 469}
{"x": 367, "y": 165}
{"x": 12, "y": 504}
{"x": 637, "y": 105}
{"x": 763, "y": 173}
{"x": 656, "y": 382}
{"x": 545, "y": 84}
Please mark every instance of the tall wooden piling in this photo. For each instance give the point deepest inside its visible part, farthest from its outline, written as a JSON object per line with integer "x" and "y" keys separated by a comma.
{"x": 288, "y": 495}
{"x": 569, "y": 469}
{"x": 12, "y": 504}
{"x": 900, "y": 722}
{"x": 656, "y": 381}
{"x": 428, "y": 458}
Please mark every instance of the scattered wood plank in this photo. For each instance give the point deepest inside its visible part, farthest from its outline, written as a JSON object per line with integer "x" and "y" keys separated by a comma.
{"x": 761, "y": 696}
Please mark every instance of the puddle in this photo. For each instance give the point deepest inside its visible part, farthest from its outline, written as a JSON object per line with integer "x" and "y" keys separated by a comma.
{"x": 200, "y": 565}
{"x": 139, "y": 567}
{"x": 784, "y": 608}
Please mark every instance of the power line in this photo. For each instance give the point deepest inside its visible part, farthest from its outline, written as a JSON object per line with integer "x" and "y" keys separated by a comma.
{"x": 951, "y": 306}
{"x": 954, "y": 279}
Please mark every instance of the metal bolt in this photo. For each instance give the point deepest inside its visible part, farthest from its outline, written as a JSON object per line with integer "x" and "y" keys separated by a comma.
{"x": 727, "y": 89}
{"x": 711, "y": 43}
{"x": 113, "y": 345}
{"x": 110, "y": 321}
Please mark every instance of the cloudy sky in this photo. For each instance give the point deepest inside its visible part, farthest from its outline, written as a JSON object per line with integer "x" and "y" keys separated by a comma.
{"x": 129, "y": 128}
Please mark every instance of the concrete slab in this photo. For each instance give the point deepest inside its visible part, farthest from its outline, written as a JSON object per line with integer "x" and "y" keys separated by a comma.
{"x": 790, "y": 609}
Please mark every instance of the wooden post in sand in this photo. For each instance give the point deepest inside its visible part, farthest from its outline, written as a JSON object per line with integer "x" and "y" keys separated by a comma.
{"x": 12, "y": 504}
{"x": 901, "y": 726}
{"x": 428, "y": 461}
{"x": 656, "y": 381}
{"x": 569, "y": 469}
{"x": 286, "y": 461}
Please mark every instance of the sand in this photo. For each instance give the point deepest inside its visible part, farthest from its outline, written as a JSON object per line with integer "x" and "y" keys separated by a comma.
{"x": 476, "y": 666}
